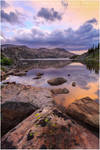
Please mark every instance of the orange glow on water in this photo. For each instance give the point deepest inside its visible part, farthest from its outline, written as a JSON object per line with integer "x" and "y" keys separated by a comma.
{"x": 78, "y": 93}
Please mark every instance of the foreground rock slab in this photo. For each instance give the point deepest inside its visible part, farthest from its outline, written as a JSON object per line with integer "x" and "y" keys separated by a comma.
{"x": 57, "y": 81}
{"x": 49, "y": 128}
{"x": 85, "y": 110}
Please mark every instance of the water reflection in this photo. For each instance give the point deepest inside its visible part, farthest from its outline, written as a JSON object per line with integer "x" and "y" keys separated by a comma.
{"x": 92, "y": 66}
{"x": 85, "y": 75}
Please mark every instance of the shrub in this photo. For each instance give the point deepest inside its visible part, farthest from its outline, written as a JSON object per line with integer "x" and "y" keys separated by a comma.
{"x": 6, "y": 61}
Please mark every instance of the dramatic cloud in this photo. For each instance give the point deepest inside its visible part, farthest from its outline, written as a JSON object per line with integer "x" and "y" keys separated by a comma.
{"x": 92, "y": 21}
{"x": 64, "y": 3}
{"x": 12, "y": 17}
{"x": 80, "y": 39}
{"x": 49, "y": 14}
{"x": 4, "y": 4}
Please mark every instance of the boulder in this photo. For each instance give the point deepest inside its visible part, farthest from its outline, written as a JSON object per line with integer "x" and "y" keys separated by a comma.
{"x": 14, "y": 112}
{"x": 57, "y": 81}
{"x": 73, "y": 83}
{"x": 60, "y": 91}
{"x": 85, "y": 110}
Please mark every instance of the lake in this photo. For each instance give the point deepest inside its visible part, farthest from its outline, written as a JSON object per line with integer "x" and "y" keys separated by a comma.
{"x": 85, "y": 76}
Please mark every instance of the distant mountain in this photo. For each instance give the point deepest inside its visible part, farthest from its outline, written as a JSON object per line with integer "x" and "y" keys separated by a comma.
{"x": 18, "y": 52}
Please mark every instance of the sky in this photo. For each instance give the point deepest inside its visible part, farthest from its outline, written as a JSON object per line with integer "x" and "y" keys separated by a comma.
{"x": 69, "y": 24}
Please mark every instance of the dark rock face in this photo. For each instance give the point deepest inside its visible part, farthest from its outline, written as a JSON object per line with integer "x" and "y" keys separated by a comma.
{"x": 60, "y": 91}
{"x": 14, "y": 112}
{"x": 57, "y": 81}
{"x": 85, "y": 110}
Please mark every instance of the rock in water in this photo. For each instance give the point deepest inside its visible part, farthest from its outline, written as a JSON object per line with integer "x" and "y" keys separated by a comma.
{"x": 68, "y": 75}
{"x": 85, "y": 110}
{"x": 73, "y": 83}
{"x": 40, "y": 74}
{"x": 38, "y": 77}
{"x": 60, "y": 91}
{"x": 57, "y": 81}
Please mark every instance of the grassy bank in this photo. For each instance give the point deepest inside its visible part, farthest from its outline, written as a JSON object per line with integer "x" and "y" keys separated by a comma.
{"x": 5, "y": 61}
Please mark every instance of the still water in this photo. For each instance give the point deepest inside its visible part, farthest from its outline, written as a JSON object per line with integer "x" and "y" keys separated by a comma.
{"x": 86, "y": 79}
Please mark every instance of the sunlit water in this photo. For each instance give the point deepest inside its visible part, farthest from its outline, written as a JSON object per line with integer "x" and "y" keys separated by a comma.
{"x": 86, "y": 82}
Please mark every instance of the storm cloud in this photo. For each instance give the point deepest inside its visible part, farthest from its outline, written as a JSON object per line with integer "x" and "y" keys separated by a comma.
{"x": 81, "y": 39}
{"x": 49, "y": 14}
{"x": 92, "y": 21}
{"x": 12, "y": 17}
{"x": 4, "y": 4}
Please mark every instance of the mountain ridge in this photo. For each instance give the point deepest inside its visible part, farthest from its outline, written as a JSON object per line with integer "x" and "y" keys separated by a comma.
{"x": 23, "y": 52}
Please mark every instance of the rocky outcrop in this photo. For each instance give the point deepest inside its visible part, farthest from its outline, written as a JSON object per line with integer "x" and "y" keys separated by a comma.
{"x": 39, "y": 97}
{"x": 60, "y": 91}
{"x": 56, "y": 81}
{"x": 85, "y": 110}
{"x": 49, "y": 128}
{"x": 14, "y": 112}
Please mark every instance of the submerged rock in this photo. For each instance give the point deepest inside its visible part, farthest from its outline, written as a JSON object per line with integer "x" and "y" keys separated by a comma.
{"x": 14, "y": 112}
{"x": 85, "y": 110}
{"x": 68, "y": 75}
{"x": 40, "y": 74}
{"x": 38, "y": 77}
{"x": 73, "y": 83}
{"x": 60, "y": 91}
{"x": 57, "y": 81}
